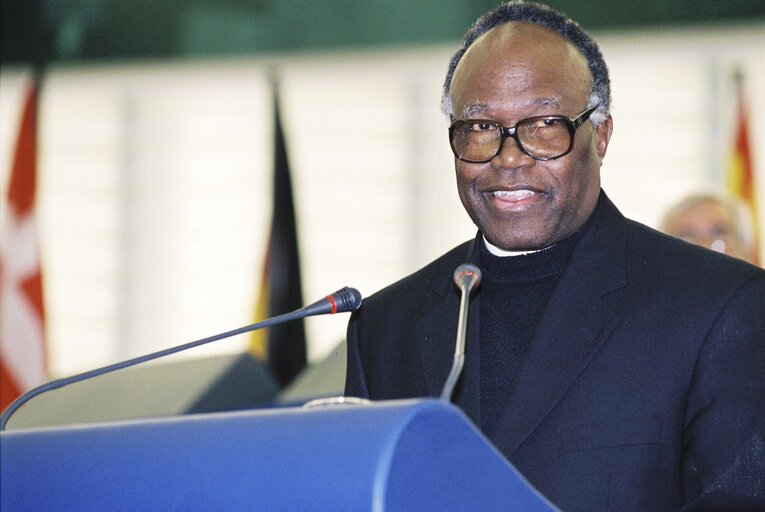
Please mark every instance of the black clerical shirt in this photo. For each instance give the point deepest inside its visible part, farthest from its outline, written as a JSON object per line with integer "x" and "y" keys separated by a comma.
{"x": 514, "y": 292}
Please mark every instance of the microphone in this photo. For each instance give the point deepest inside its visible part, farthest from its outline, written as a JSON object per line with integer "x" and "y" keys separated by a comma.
{"x": 344, "y": 300}
{"x": 466, "y": 277}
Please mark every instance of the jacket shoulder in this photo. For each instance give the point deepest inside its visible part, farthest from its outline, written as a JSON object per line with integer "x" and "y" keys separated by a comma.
{"x": 668, "y": 257}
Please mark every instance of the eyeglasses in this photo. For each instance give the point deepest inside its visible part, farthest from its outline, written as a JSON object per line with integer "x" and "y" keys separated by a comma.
{"x": 542, "y": 137}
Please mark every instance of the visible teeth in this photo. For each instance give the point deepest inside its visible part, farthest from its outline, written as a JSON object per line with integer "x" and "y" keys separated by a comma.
{"x": 513, "y": 195}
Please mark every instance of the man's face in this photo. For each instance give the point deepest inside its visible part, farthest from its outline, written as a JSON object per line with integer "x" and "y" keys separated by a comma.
{"x": 516, "y": 71}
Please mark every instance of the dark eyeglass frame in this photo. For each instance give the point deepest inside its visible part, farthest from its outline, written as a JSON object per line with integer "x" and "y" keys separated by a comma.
{"x": 505, "y": 132}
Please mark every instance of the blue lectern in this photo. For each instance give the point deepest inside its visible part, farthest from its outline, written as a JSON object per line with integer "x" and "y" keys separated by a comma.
{"x": 412, "y": 455}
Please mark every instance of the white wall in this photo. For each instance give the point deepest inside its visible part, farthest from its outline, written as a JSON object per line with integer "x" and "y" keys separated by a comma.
{"x": 155, "y": 177}
{"x": 674, "y": 102}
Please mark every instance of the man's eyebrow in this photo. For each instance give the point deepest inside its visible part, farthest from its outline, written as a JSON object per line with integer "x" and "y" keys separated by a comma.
{"x": 480, "y": 107}
{"x": 475, "y": 108}
{"x": 552, "y": 100}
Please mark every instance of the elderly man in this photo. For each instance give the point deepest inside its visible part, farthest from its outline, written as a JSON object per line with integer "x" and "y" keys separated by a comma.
{"x": 616, "y": 367}
{"x": 723, "y": 224}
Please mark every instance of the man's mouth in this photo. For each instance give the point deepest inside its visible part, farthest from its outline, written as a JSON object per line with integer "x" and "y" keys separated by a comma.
{"x": 514, "y": 200}
{"x": 513, "y": 195}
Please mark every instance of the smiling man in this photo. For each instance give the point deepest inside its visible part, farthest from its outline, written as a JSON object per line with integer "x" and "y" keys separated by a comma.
{"x": 535, "y": 190}
{"x": 617, "y": 368}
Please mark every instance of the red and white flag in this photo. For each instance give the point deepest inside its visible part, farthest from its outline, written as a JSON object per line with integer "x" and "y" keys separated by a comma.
{"x": 22, "y": 334}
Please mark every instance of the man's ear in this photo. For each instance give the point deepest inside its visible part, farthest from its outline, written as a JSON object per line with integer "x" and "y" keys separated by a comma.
{"x": 603, "y": 132}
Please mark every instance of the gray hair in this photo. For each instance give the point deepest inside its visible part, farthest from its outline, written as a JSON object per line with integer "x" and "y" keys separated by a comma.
{"x": 531, "y": 12}
{"x": 739, "y": 210}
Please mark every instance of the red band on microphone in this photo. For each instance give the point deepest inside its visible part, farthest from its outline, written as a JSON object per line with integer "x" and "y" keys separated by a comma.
{"x": 470, "y": 272}
{"x": 334, "y": 305}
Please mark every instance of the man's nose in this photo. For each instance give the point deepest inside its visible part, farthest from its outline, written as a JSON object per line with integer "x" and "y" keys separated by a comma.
{"x": 511, "y": 155}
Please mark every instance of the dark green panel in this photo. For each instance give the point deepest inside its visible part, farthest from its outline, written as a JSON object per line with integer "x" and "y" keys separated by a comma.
{"x": 322, "y": 24}
{"x": 599, "y": 14}
{"x": 112, "y": 29}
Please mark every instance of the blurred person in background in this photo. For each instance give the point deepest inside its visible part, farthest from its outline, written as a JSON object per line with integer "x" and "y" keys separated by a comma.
{"x": 723, "y": 224}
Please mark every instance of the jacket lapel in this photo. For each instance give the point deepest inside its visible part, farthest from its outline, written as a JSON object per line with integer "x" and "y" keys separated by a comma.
{"x": 436, "y": 339}
{"x": 576, "y": 322}
{"x": 436, "y": 332}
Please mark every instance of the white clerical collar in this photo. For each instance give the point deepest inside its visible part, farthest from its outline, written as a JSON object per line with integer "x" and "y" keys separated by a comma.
{"x": 496, "y": 251}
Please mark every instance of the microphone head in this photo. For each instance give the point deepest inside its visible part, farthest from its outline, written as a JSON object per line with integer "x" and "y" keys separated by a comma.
{"x": 346, "y": 299}
{"x": 343, "y": 300}
{"x": 467, "y": 275}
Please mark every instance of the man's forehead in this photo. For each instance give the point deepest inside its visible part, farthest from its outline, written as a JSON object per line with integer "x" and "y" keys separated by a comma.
{"x": 523, "y": 53}
{"x": 511, "y": 33}
{"x": 522, "y": 40}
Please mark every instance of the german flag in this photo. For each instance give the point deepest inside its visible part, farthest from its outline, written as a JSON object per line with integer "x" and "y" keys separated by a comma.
{"x": 282, "y": 347}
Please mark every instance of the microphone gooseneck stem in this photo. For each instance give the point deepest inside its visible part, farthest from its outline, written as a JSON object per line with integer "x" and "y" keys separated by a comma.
{"x": 346, "y": 299}
{"x": 56, "y": 384}
{"x": 466, "y": 277}
{"x": 459, "y": 351}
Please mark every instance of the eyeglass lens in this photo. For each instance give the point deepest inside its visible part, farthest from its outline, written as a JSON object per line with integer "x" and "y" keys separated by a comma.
{"x": 541, "y": 138}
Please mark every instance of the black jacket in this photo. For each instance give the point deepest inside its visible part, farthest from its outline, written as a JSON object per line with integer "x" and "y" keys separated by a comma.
{"x": 643, "y": 387}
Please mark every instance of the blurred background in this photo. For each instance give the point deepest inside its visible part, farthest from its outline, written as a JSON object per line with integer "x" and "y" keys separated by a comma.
{"x": 155, "y": 146}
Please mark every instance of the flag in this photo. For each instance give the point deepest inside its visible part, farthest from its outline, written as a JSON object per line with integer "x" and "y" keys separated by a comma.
{"x": 22, "y": 340}
{"x": 740, "y": 172}
{"x": 282, "y": 346}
